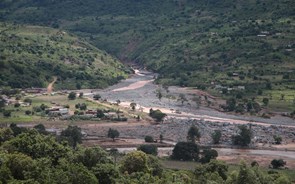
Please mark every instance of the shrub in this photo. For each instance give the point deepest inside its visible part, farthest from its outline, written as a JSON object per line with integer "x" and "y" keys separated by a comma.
{"x": 148, "y": 149}
{"x": 186, "y": 151}
{"x": 277, "y": 163}
{"x": 28, "y": 112}
{"x": 157, "y": 115}
{"x": 148, "y": 138}
{"x": 72, "y": 96}
{"x": 96, "y": 97}
{"x": 216, "y": 135}
{"x": 277, "y": 139}
{"x": 208, "y": 154}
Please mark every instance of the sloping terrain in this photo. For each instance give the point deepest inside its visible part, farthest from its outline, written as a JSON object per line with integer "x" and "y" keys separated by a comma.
{"x": 208, "y": 44}
{"x": 32, "y": 55}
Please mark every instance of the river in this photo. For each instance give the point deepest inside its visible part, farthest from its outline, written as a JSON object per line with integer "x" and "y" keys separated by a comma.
{"x": 139, "y": 88}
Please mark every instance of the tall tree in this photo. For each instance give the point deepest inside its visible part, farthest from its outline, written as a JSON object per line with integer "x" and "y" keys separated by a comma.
{"x": 113, "y": 133}
{"x": 244, "y": 136}
{"x": 193, "y": 134}
{"x": 73, "y": 135}
{"x": 216, "y": 135}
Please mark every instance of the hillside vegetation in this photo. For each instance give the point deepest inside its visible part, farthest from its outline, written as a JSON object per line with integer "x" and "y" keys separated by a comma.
{"x": 197, "y": 43}
{"x": 32, "y": 55}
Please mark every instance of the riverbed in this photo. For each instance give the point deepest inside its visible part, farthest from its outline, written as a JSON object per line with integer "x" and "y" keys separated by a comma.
{"x": 140, "y": 89}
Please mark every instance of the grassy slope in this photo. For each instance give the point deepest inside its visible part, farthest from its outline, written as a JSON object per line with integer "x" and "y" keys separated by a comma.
{"x": 190, "y": 43}
{"x": 31, "y": 55}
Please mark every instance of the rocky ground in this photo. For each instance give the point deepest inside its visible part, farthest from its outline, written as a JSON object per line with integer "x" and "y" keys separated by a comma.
{"x": 176, "y": 130}
{"x": 140, "y": 89}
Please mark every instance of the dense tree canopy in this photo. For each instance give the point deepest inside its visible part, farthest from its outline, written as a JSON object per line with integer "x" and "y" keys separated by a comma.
{"x": 186, "y": 151}
{"x": 32, "y": 157}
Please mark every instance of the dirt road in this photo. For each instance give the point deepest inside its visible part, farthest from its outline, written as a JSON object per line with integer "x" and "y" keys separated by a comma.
{"x": 50, "y": 85}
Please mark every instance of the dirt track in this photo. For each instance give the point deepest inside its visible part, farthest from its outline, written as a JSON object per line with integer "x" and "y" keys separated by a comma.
{"x": 50, "y": 85}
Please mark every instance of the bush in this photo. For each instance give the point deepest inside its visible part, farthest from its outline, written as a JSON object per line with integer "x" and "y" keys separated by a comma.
{"x": 6, "y": 113}
{"x": 216, "y": 135}
{"x": 113, "y": 133}
{"x": 148, "y": 149}
{"x": 208, "y": 154}
{"x": 28, "y": 100}
{"x": 16, "y": 105}
{"x": 277, "y": 163}
{"x": 186, "y": 151}
{"x": 157, "y": 115}
{"x": 148, "y": 138}
{"x": 28, "y": 112}
{"x": 193, "y": 134}
{"x": 96, "y": 97}
{"x": 244, "y": 136}
{"x": 72, "y": 96}
{"x": 277, "y": 139}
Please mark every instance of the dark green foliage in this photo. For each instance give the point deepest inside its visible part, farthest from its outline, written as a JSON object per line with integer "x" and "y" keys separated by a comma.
{"x": 244, "y": 136}
{"x": 90, "y": 157}
{"x": 17, "y": 130}
{"x": 100, "y": 113}
{"x": 81, "y": 94}
{"x": 5, "y": 135}
{"x": 6, "y": 113}
{"x": 30, "y": 55}
{"x": 277, "y": 163}
{"x": 155, "y": 166}
{"x": 2, "y": 102}
{"x": 82, "y": 106}
{"x": 113, "y": 133}
{"x": 186, "y": 151}
{"x": 36, "y": 145}
{"x": 214, "y": 166}
{"x": 277, "y": 139}
{"x": 96, "y": 97}
{"x": 216, "y": 135}
{"x": 157, "y": 115}
{"x": 73, "y": 135}
{"x": 231, "y": 104}
{"x": 136, "y": 161}
{"x": 72, "y": 96}
{"x": 106, "y": 173}
{"x": 208, "y": 155}
{"x": 77, "y": 173}
{"x": 193, "y": 134}
{"x": 35, "y": 158}
{"x": 148, "y": 149}
{"x": 265, "y": 101}
{"x": 28, "y": 100}
{"x": 40, "y": 128}
{"x": 16, "y": 105}
{"x": 28, "y": 112}
{"x": 18, "y": 164}
{"x": 148, "y": 138}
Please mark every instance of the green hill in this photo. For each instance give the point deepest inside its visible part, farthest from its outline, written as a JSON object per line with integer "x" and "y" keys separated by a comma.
{"x": 32, "y": 55}
{"x": 197, "y": 43}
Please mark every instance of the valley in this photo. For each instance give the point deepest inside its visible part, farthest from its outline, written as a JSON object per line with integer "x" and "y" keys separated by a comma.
{"x": 147, "y": 92}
